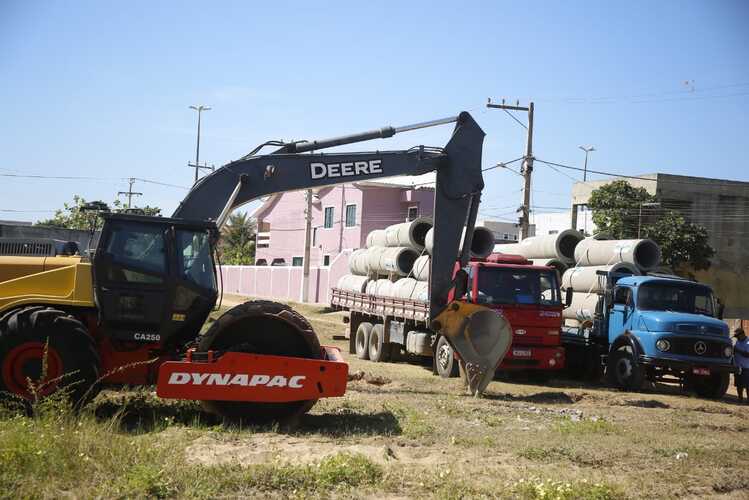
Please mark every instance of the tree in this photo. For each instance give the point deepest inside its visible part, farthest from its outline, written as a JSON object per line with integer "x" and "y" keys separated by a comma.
{"x": 75, "y": 216}
{"x": 616, "y": 208}
{"x": 684, "y": 245}
{"x": 616, "y": 211}
{"x": 238, "y": 240}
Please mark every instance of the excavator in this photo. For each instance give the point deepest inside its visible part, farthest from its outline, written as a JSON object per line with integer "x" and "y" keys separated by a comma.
{"x": 133, "y": 312}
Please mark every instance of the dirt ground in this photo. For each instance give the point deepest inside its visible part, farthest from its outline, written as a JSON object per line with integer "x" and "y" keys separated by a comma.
{"x": 658, "y": 443}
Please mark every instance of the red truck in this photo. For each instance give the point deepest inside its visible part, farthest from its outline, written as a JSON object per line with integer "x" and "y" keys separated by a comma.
{"x": 381, "y": 328}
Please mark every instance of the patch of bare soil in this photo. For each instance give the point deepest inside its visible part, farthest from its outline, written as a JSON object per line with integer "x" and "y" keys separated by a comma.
{"x": 268, "y": 447}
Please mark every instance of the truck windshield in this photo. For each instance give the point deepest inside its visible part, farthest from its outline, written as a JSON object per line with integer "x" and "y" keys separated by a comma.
{"x": 679, "y": 297}
{"x": 194, "y": 258}
{"x": 517, "y": 286}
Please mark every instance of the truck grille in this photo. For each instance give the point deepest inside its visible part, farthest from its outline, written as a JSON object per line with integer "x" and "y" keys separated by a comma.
{"x": 690, "y": 347}
{"x": 698, "y": 328}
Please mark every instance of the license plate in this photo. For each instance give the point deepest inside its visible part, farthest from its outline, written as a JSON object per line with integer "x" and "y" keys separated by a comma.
{"x": 701, "y": 371}
{"x": 521, "y": 353}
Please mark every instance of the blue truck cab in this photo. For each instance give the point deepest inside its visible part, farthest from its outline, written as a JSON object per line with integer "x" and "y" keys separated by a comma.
{"x": 657, "y": 328}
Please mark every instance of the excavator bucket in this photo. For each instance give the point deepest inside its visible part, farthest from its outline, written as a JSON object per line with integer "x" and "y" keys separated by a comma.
{"x": 480, "y": 336}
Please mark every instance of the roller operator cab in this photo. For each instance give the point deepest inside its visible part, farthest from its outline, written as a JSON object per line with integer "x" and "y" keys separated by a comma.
{"x": 661, "y": 329}
{"x": 154, "y": 278}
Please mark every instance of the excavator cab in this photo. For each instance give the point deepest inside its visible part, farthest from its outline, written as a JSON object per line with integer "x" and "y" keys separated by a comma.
{"x": 154, "y": 278}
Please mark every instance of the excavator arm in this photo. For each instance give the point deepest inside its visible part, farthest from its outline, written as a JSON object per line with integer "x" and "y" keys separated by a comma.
{"x": 473, "y": 332}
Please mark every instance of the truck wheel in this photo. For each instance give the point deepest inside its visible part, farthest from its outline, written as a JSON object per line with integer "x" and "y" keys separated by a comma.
{"x": 261, "y": 327}
{"x": 712, "y": 387}
{"x": 444, "y": 360}
{"x": 378, "y": 349}
{"x": 362, "y": 340}
{"x": 624, "y": 371}
{"x": 72, "y": 362}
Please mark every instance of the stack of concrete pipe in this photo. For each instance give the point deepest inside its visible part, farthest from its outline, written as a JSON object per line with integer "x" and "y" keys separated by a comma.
{"x": 596, "y": 254}
{"x": 554, "y": 250}
{"x": 482, "y": 244}
{"x": 386, "y": 266}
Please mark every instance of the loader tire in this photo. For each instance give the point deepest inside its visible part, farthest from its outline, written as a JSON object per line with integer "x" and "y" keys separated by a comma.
{"x": 39, "y": 339}
{"x": 261, "y": 327}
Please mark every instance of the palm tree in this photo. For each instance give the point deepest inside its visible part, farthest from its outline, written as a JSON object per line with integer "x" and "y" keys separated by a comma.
{"x": 238, "y": 239}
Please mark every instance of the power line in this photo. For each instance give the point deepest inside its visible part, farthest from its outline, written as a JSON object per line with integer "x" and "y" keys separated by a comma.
{"x": 89, "y": 178}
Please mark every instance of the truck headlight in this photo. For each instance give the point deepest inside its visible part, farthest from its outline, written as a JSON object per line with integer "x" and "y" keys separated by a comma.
{"x": 728, "y": 351}
{"x": 663, "y": 345}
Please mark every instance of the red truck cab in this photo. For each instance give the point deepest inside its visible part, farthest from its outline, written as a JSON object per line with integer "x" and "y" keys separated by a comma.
{"x": 530, "y": 299}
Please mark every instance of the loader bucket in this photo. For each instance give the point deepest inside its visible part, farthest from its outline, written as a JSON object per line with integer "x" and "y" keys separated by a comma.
{"x": 480, "y": 336}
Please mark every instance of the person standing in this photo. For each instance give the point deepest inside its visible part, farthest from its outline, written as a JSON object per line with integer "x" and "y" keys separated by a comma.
{"x": 741, "y": 360}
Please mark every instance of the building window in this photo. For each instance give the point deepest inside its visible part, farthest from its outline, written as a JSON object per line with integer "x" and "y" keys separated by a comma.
{"x": 413, "y": 213}
{"x": 297, "y": 261}
{"x": 261, "y": 262}
{"x": 278, "y": 262}
{"x": 350, "y": 215}
{"x": 554, "y": 231}
{"x": 329, "y": 212}
{"x": 326, "y": 260}
{"x": 515, "y": 237}
{"x": 505, "y": 236}
{"x": 314, "y": 236}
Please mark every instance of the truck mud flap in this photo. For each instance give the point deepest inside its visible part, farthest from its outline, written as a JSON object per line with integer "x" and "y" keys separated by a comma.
{"x": 480, "y": 336}
{"x": 235, "y": 376}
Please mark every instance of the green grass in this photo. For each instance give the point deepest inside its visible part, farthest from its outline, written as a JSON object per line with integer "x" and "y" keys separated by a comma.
{"x": 568, "y": 427}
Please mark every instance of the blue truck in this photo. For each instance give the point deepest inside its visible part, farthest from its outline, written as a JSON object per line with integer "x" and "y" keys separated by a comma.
{"x": 657, "y": 328}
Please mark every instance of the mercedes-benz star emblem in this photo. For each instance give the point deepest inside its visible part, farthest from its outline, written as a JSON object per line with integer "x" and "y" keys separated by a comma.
{"x": 700, "y": 347}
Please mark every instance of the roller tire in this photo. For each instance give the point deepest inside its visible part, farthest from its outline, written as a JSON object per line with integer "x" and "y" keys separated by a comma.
{"x": 379, "y": 350}
{"x": 73, "y": 362}
{"x": 246, "y": 328}
{"x": 361, "y": 340}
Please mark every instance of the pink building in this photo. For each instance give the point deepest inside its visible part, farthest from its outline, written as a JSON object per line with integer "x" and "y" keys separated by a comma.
{"x": 342, "y": 216}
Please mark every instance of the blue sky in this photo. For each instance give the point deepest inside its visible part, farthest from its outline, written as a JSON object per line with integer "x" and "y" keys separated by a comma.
{"x": 102, "y": 89}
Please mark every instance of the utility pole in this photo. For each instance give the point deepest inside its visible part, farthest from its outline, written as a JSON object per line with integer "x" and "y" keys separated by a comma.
{"x": 587, "y": 150}
{"x": 527, "y": 169}
{"x": 199, "y": 108}
{"x": 343, "y": 217}
{"x": 130, "y": 193}
{"x": 307, "y": 246}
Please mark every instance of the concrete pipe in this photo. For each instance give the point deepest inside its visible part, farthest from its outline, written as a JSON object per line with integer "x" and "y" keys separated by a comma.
{"x": 583, "y": 307}
{"x": 386, "y": 260}
{"x": 585, "y": 279}
{"x": 645, "y": 254}
{"x": 380, "y": 288}
{"x": 408, "y": 234}
{"x": 409, "y": 288}
{"x": 421, "y": 268}
{"x": 376, "y": 238}
{"x": 557, "y": 264}
{"x": 358, "y": 263}
{"x": 482, "y": 244}
{"x": 353, "y": 283}
{"x": 550, "y": 246}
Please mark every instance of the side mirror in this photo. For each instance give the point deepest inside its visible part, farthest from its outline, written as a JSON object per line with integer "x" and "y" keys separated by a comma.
{"x": 460, "y": 282}
{"x": 568, "y": 297}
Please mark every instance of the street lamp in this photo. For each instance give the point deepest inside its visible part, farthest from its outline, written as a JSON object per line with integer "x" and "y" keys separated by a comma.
{"x": 587, "y": 150}
{"x": 639, "y": 219}
{"x": 200, "y": 108}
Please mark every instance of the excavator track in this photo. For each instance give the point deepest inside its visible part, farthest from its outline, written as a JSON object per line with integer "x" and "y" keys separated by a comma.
{"x": 261, "y": 327}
